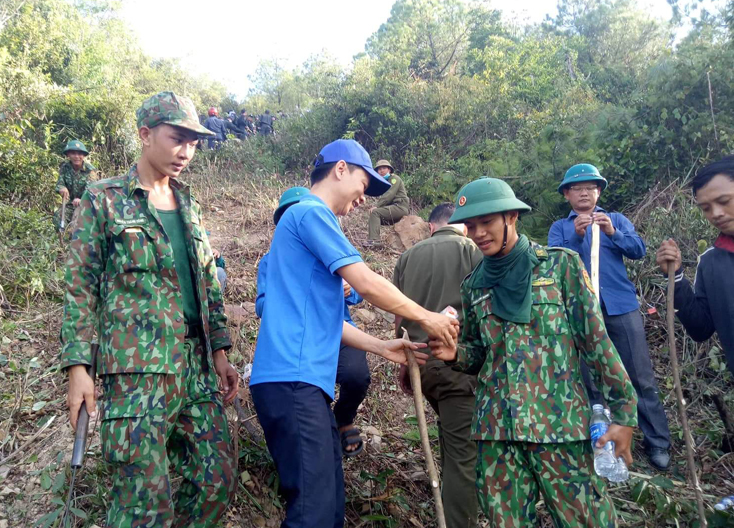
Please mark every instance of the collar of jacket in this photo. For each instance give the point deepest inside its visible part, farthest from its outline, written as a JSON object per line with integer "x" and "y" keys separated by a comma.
{"x": 597, "y": 209}
{"x": 133, "y": 183}
{"x": 447, "y": 230}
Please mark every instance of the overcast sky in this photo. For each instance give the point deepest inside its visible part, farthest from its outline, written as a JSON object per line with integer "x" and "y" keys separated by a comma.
{"x": 225, "y": 39}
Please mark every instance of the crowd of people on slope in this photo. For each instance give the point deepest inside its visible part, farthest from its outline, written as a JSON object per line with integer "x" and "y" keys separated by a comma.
{"x": 511, "y": 380}
{"x": 242, "y": 126}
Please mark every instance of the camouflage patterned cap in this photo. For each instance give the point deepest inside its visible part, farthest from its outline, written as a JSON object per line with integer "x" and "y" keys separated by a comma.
{"x": 170, "y": 109}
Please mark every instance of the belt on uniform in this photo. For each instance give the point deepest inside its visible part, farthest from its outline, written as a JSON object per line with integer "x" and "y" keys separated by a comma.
{"x": 194, "y": 330}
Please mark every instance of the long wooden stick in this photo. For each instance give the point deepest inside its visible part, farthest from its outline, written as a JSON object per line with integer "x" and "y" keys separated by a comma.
{"x": 415, "y": 382}
{"x": 595, "y": 244}
{"x": 692, "y": 473}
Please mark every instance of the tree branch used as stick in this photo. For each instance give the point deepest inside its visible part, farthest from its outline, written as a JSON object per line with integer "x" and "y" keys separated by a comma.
{"x": 415, "y": 382}
{"x": 693, "y": 475}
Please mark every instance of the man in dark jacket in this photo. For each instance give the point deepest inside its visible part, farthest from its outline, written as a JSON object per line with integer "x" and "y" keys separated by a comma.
{"x": 708, "y": 306}
{"x": 244, "y": 124}
{"x": 265, "y": 126}
{"x": 217, "y": 126}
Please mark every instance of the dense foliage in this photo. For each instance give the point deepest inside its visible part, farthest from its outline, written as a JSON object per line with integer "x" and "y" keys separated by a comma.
{"x": 445, "y": 89}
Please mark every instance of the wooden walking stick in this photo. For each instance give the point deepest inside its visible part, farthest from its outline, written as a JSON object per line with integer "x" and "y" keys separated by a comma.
{"x": 415, "y": 382}
{"x": 679, "y": 393}
{"x": 595, "y": 243}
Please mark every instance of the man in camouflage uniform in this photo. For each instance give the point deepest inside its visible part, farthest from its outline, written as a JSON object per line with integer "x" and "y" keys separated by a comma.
{"x": 141, "y": 279}
{"x": 391, "y": 207}
{"x": 530, "y": 315}
{"x": 74, "y": 175}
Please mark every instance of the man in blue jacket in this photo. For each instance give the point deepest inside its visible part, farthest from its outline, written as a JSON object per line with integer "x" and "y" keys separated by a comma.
{"x": 582, "y": 187}
{"x": 353, "y": 373}
{"x": 708, "y": 306}
{"x": 217, "y": 126}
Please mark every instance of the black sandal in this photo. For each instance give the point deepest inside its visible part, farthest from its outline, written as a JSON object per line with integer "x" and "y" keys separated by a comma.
{"x": 351, "y": 437}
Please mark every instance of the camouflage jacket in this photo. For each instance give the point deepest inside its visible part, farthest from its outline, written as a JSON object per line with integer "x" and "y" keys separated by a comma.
{"x": 530, "y": 387}
{"x": 122, "y": 284}
{"x": 75, "y": 181}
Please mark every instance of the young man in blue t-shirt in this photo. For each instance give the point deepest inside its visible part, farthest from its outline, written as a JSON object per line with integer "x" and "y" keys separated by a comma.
{"x": 303, "y": 326}
{"x": 353, "y": 373}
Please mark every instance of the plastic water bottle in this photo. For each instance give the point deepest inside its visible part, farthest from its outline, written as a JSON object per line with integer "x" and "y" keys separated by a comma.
{"x": 605, "y": 464}
{"x": 727, "y": 503}
{"x": 622, "y": 473}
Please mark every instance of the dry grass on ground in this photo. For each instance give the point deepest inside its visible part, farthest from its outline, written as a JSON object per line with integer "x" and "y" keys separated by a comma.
{"x": 385, "y": 485}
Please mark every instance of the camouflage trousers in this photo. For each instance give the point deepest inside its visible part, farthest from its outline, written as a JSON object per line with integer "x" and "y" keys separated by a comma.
{"x": 151, "y": 422}
{"x": 511, "y": 476}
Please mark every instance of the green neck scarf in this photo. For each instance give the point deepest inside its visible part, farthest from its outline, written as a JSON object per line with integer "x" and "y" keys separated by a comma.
{"x": 509, "y": 278}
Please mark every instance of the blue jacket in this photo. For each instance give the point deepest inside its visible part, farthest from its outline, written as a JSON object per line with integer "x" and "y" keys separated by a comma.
{"x": 618, "y": 294}
{"x": 262, "y": 272}
{"x": 217, "y": 126}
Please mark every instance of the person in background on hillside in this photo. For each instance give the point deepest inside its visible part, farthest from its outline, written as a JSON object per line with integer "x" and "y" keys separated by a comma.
{"x": 141, "y": 279}
{"x": 352, "y": 374}
{"x": 244, "y": 124}
{"x": 391, "y": 207}
{"x": 218, "y": 129}
{"x": 530, "y": 316}
{"x": 230, "y": 126}
{"x": 265, "y": 124}
{"x": 430, "y": 273}
{"x": 708, "y": 305}
{"x": 297, "y": 353}
{"x": 75, "y": 174}
{"x": 582, "y": 186}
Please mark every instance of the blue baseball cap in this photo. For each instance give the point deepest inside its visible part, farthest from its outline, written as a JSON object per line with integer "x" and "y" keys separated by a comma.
{"x": 352, "y": 152}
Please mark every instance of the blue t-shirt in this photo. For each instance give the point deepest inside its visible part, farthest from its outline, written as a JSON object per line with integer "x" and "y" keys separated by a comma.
{"x": 303, "y": 311}
{"x": 262, "y": 277}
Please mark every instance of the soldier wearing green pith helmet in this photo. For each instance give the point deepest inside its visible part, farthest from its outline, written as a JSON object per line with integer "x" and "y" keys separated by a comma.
{"x": 530, "y": 315}
{"x": 141, "y": 279}
{"x": 74, "y": 175}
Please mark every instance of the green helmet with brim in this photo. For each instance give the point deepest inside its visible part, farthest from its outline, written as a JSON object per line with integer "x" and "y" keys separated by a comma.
{"x": 583, "y": 172}
{"x": 483, "y": 197}
{"x": 288, "y": 198}
{"x": 77, "y": 145}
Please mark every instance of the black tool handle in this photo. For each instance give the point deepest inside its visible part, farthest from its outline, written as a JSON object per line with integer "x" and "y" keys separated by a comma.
{"x": 82, "y": 424}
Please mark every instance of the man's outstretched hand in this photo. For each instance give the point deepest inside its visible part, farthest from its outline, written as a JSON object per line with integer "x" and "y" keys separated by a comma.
{"x": 440, "y": 327}
{"x": 394, "y": 350}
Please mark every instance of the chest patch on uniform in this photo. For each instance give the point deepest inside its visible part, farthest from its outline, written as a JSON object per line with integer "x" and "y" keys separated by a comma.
{"x": 131, "y": 221}
{"x": 587, "y": 281}
{"x": 543, "y": 281}
{"x": 133, "y": 229}
{"x": 482, "y": 298}
{"x": 393, "y": 181}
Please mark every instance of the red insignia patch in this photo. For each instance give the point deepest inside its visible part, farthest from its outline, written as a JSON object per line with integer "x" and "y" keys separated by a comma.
{"x": 462, "y": 201}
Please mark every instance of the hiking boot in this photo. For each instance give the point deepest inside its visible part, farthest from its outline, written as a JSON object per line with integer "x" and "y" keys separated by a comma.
{"x": 659, "y": 458}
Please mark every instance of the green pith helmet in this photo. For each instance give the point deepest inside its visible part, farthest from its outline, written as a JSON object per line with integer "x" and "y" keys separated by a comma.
{"x": 384, "y": 163}
{"x": 288, "y": 198}
{"x": 581, "y": 173}
{"x": 485, "y": 196}
{"x": 75, "y": 144}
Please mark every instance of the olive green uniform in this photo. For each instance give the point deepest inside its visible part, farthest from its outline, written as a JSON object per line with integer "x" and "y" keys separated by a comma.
{"x": 430, "y": 274}
{"x": 390, "y": 208}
